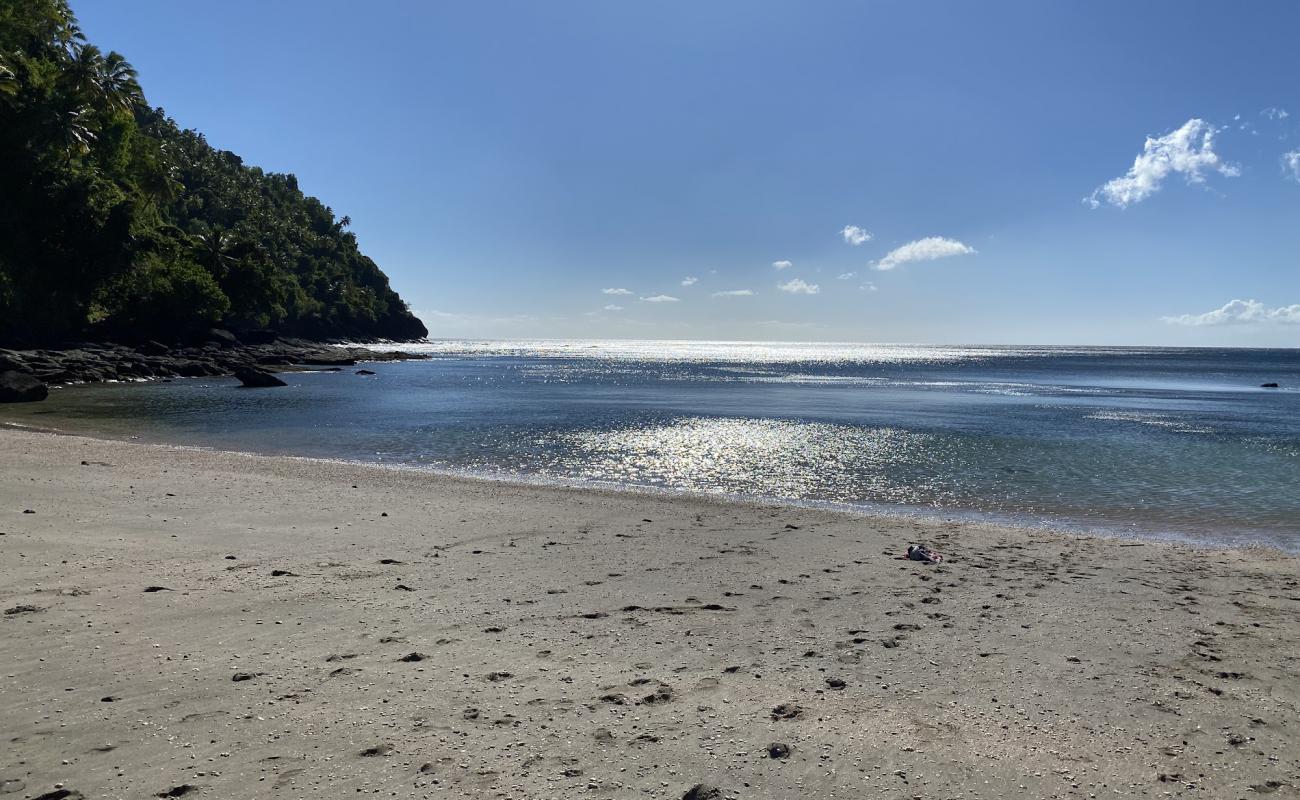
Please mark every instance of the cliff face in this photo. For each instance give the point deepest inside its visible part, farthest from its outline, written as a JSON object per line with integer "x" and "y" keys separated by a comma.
{"x": 117, "y": 224}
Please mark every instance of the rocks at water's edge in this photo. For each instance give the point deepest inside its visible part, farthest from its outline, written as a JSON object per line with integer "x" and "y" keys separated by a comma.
{"x": 1269, "y": 386}
{"x": 93, "y": 362}
{"x": 255, "y": 378}
{"x": 20, "y": 387}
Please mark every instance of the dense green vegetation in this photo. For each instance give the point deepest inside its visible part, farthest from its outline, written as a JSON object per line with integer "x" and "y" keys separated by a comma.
{"x": 115, "y": 223}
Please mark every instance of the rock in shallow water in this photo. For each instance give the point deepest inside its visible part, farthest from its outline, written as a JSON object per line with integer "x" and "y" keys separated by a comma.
{"x": 19, "y": 387}
{"x": 252, "y": 377}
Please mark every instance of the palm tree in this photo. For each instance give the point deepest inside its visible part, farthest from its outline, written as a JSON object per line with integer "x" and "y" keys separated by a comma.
{"x": 214, "y": 250}
{"x": 8, "y": 81}
{"x": 76, "y": 133}
{"x": 82, "y": 73}
{"x": 117, "y": 83}
{"x": 67, "y": 33}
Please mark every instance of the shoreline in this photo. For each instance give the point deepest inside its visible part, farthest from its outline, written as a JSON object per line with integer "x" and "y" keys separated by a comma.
{"x": 435, "y": 636}
{"x": 1026, "y": 523}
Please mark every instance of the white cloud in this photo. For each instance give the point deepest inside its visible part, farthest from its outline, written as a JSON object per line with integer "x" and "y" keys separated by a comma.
{"x": 855, "y": 235}
{"x": 1241, "y": 312}
{"x": 783, "y": 264}
{"x": 868, "y": 287}
{"x": 734, "y": 293}
{"x": 1291, "y": 162}
{"x": 690, "y": 281}
{"x": 1275, "y": 113}
{"x": 847, "y": 276}
{"x": 660, "y": 298}
{"x": 798, "y": 286}
{"x": 927, "y": 249}
{"x": 1188, "y": 151}
{"x": 612, "y": 307}
{"x": 615, "y": 291}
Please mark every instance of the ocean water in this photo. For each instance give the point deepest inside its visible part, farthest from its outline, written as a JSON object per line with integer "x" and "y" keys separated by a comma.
{"x": 1158, "y": 442}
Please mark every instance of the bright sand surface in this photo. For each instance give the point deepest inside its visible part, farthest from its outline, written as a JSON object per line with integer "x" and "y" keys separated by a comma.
{"x": 325, "y": 630}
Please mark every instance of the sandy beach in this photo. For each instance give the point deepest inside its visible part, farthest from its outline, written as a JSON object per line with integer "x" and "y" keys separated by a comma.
{"x": 189, "y": 623}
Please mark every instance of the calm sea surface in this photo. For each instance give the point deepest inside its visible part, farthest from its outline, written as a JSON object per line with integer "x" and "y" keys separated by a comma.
{"x": 1161, "y": 442}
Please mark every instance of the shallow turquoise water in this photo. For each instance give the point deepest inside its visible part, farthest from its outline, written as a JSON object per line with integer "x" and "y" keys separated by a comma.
{"x": 1166, "y": 442}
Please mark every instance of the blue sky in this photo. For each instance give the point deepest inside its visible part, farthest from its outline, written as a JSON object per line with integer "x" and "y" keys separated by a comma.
{"x": 506, "y": 162}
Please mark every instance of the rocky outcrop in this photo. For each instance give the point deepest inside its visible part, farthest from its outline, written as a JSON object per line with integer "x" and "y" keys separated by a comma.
{"x": 257, "y": 378}
{"x": 19, "y": 387}
{"x": 92, "y": 362}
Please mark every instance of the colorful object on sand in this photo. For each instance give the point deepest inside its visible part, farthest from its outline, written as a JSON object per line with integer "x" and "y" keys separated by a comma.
{"x": 919, "y": 552}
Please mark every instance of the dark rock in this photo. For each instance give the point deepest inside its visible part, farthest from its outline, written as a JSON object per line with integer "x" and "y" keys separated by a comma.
{"x": 253, "y": 377}
{"x": 663, "y": 694}
{"x": 413, "y": 657}
{"x": 20, "y": 387}
{"x": 365, "y": 372}
{"x": 222, "y": 337}
{"x": 258, "y": 336}
{"x": 179, "y": 791}
{"x": 283, "y": 573}
{"x": 778, "y": 750}
{"x": 327, "y": 361}
{"x": 61, "y": 794}
{"x": 245, "y": 676}
{"x": 9, "y": 360}
{"x": 152, "y": 348}
{"x": 835, "y": 683}
{"x": 786, "y": 711}
{"x": 377, "y": 750}
{"x": 1268, "y": 386}
{"x": 194, "y": 369}
{"x": 23, "y": 609}
{"x": 703, "y": 791}
{"x": 157, "y": 589}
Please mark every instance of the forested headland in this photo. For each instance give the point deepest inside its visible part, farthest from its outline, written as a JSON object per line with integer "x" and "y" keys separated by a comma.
{"x": 117, "y": 224}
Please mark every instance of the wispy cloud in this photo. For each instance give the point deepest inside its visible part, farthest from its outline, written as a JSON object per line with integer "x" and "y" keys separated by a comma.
{"x": 868, "y": 287}
{"x": 927, "y": 249}
{"x": 1275, "y": 113}
{"x": 660, "y": 298}
{"x": 615, "y": 291}
{"x": 855, "y": 235}
{"x": 690, "y": 281}
{"x": 612, "y": 307}
{"x": 799, "y": 286}
{"x": 1189, "y": 151}
{"x": 847, "y": 276}
{"x": 734, "y": 293}
{"x": 783, "y": 264}
{"x": 1291, "y": 164}
{"x": 1241, "y": 312}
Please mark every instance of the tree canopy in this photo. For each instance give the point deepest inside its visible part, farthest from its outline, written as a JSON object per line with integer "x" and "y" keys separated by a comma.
{"x": 117, "y": 223}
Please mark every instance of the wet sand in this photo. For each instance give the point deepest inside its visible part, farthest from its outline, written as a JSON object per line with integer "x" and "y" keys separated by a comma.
{"x": 204, "y": 624}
